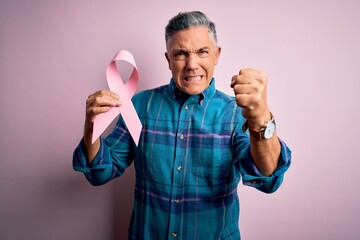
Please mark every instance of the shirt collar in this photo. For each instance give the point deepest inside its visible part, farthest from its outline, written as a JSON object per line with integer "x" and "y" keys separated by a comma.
{"x": 182, "y": 97}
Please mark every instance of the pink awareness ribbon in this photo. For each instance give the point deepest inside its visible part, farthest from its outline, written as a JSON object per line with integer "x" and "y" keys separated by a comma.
{"x": 125, "y": 91}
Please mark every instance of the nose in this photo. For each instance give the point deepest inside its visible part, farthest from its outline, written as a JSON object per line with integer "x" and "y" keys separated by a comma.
{"x": 192, "y": 62}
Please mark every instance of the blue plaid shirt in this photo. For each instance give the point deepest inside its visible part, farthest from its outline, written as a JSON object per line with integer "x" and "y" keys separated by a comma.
{"x": 191, "y": 156}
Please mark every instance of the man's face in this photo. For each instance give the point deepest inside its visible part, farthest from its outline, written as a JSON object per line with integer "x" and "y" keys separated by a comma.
{"x": 192, "y": 56}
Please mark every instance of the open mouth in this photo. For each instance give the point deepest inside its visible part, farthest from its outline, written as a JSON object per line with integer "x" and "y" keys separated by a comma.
{"x": 194, "y": 78}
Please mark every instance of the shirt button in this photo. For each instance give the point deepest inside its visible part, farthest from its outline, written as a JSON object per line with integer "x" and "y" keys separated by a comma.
{"x": 179, "y": 168}
{"x": 174, "y": 234}
{"x": 177, "y": 200}
{"x": 186, "y": 107}
{"x": 181, "y": 136}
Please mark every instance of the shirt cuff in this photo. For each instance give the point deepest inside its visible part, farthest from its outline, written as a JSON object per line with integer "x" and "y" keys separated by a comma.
{"x": 80, "y": 162}
{"x": 253, "y": 177}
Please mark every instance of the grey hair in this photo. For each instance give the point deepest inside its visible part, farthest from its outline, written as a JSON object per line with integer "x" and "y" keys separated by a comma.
{"x": 188, "y": 19}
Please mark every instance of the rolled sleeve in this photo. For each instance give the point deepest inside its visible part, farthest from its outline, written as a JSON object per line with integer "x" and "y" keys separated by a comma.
{"x": 99, "y": 171}
{"x": 252, "y": 177}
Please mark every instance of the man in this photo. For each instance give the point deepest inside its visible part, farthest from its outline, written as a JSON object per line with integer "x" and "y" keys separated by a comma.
{"x": 193, "y": 149}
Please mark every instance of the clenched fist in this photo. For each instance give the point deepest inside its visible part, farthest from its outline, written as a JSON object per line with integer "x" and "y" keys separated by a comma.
{"x": 250, "y": 93}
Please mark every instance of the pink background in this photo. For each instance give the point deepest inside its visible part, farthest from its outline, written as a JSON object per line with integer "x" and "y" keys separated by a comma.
{"x": 53, "y": 54}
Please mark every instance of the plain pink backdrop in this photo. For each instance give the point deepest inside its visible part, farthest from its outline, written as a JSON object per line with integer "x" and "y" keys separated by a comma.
{"x": 53, "y": 54}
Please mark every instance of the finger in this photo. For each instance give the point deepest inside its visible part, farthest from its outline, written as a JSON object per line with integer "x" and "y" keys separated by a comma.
{"x": 242, "y": 100}
{"x": 97, "y": 100}
{"x": 93, "y": 110}
{"x": 233, "y": 81}
{"x": 101, "y": 102}
{"x": 243, "y": 89}
{"x": 107, "y": 101}
{"x": 91, "y": 113}
{"x": 253, "y": 72}
{"x": 98, "y": 110}
{"x": 239, "y": 79}
{"x": 104, "y": 93}
{"x": 249, "y": 97}
{"x": 242, "y": 79}
{"x": 246, "y": 101}
{"x": 114, "y": 95}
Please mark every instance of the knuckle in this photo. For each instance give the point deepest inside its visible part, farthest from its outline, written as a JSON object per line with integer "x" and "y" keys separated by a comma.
{"x": 93, "y": 112}
{"x": 89, "y": 111}
{"x": 239, "y": 100}
{"x": 97, "y": 99}
{"x": 90, "y": 97}
{"x": 263, "y": 80}
{"x": 103, "y": 92}
{"x": 88, "y": 100}
{"x": 236, "y": 88}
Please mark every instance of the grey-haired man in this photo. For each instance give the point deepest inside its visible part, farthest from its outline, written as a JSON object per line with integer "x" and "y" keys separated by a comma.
{"x": 194, "y": 147}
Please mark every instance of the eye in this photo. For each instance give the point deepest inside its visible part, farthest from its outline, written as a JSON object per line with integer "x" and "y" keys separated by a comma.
{"x": 180, "y": 54}
{"x": 203, "y": 53}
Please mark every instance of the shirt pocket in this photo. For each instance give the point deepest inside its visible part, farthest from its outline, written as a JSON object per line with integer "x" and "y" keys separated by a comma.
{"x": 210, "y": 162}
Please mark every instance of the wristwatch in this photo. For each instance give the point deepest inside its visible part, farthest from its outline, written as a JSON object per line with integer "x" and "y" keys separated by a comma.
{"x": 265, "y": 132}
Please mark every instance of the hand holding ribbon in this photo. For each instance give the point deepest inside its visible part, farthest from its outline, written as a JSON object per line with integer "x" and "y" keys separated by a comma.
{"x": 125, "y": 91}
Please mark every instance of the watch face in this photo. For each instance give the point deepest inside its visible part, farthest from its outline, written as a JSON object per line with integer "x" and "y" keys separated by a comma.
{"x": 270, "y": 130}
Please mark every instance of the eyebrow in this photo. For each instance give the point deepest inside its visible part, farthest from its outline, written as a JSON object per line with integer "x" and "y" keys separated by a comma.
{"x": 184, "y": 50}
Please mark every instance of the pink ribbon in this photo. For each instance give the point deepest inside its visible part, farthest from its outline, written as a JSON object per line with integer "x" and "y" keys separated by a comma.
{"x": 125, "y": 91}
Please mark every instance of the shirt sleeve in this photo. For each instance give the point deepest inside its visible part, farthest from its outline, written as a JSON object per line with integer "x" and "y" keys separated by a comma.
{"x": 251, "y": 176}
{"x": 113, "y": 157}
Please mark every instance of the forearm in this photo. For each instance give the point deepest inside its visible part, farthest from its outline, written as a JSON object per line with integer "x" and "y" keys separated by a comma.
{"x": 266, "y": 154}
{"x": 97, "y": 103}
{"x": 100, "y": 169}
{"x": 90, "y": 148}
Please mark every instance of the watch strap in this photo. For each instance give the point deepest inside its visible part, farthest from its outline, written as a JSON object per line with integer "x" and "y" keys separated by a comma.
{"x": 257, "y": 134}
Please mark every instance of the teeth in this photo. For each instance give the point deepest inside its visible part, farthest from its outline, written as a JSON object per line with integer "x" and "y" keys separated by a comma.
{"x": 195, "y": 78}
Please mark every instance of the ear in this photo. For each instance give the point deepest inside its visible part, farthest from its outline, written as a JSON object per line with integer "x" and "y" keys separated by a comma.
{"x": 168, "y": 59}
{"x": 217, "y": 54}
